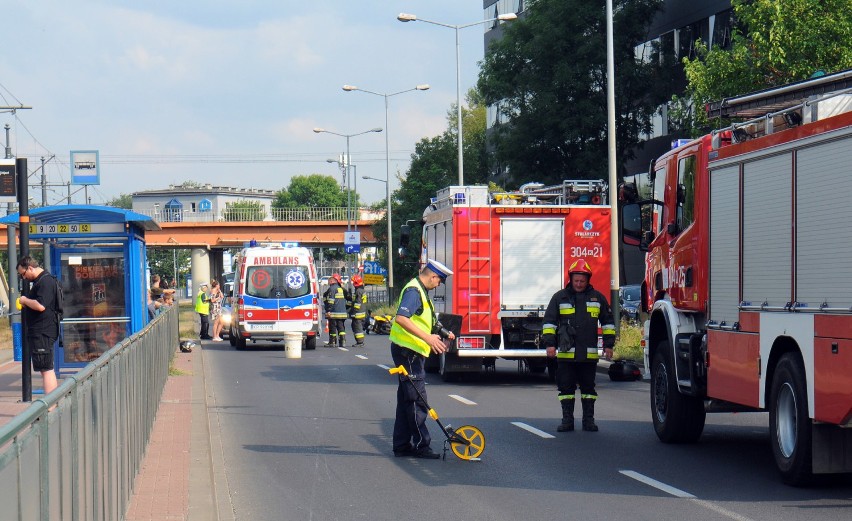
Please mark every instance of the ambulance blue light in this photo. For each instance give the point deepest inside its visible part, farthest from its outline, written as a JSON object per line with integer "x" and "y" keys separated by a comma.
{"x": 679, "y": 143}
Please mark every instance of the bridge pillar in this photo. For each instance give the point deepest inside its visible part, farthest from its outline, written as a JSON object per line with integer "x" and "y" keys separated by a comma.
{"x": 199, "y": 268}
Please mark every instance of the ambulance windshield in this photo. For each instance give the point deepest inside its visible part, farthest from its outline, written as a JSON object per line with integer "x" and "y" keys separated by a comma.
{"x": 278, "y": 281}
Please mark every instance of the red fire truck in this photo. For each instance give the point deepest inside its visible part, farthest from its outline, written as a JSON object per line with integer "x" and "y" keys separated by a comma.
{"x": 748, "y": 275}
{"x": 510, "y": 253}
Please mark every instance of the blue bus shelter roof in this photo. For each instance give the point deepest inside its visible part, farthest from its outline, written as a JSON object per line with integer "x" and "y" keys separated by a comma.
{"x": 85, "y": 213}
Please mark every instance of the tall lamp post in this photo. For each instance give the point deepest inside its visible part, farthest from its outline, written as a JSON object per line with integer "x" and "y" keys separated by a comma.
{"x": 350, "y": 88}
{"x": 390, "y": 251}
{"x": 406, "y": 17}
{"x": 347, "y": 162}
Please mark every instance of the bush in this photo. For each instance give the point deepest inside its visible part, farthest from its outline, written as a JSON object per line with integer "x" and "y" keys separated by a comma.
{"x": 628, "y": 345}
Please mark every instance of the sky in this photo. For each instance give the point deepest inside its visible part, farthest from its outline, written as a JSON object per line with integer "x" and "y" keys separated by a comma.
{"x": 226, "y": 93}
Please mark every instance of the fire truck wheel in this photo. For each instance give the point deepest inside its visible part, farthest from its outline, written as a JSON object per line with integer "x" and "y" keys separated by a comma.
{"x": 789, "y": 422}
{"x": 678, "y": 418}
{"x": 310, "y": 343}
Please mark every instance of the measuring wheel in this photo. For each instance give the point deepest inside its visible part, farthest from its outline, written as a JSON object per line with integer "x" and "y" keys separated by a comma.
{"x": 475, "y": 443}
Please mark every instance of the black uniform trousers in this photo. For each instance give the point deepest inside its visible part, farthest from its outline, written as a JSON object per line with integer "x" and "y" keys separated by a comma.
{"x": 570, "y": 374}
{"x": 409, "y": 427}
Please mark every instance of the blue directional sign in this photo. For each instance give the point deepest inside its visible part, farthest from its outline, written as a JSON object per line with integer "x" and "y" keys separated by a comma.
{"x": 374, "y": 268}
{"x": 352, "y": 242}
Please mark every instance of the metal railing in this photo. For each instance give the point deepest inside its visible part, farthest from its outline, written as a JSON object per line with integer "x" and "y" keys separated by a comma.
{"x": 263, "y": 214}
{"x": 79, "y": 460}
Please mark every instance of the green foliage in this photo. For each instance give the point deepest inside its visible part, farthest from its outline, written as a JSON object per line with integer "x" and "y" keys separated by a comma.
{"x": 775, "y": 42}
{"x": 548, "y": 74}
{"x": 244, "y": 211}
{"x": 628, "y": 344}
{"x": 314, "y": 191}
{"x": 162, "y": 262}
{"x": 122, "y": 201}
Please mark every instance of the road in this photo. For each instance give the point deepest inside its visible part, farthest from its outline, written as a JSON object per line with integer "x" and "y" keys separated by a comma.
{"x": 309, "y": 439}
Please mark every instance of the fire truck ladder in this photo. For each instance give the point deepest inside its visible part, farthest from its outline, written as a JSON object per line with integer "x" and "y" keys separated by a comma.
{"x": 479, "y": 270}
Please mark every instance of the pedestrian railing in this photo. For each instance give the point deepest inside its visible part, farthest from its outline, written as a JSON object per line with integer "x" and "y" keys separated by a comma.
{"x": 240, "y": 214}
{"x": 79, "y": 460}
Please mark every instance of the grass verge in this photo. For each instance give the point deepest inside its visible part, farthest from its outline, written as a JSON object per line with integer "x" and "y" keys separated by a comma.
{"x": 628, "y": 344}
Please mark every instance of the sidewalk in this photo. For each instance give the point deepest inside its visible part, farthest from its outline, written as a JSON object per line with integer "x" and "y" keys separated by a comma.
{"x": 175, "y": 481}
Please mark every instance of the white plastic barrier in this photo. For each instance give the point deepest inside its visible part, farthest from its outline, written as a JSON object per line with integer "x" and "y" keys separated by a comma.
{"x": 293, "y": 345}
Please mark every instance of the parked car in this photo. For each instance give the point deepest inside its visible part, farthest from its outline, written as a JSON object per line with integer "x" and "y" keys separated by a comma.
{"x": 630, "y": 296}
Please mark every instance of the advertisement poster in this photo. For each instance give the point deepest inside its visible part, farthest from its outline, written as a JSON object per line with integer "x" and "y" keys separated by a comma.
{"x": 93, "y": 284}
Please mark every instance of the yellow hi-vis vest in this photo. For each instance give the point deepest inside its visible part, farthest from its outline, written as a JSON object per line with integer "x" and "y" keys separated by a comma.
{"x": 424, "y": 321}
{"x": 201, "y": 306}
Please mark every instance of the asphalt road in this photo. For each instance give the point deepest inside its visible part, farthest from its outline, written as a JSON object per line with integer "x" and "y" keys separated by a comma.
{"x": 309, "y": 439}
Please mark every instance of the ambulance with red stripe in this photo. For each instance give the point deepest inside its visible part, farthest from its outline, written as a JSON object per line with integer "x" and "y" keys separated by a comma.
{"x": 276, "y": 291}
{"x": 510, "y": 252}
{"x": 749, "y": 274}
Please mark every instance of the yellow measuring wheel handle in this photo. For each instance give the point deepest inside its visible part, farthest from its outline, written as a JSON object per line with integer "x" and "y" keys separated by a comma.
{"x": 398, "y": 370}
{"x": 18, "y": 305}
{"x": 476, "y": 439}
{"x": 433, "y": 414}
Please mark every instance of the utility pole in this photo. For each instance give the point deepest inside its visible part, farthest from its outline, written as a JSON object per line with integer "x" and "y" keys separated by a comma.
{"x": 14, "y": 318}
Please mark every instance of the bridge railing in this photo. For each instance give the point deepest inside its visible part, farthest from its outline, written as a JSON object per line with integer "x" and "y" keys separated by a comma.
{"x": 79, "y": 460}
{"x": 313, "y": 214}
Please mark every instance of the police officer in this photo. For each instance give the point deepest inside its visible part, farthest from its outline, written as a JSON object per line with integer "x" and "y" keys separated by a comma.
{"x": 202, "y": 307}
{"x": 414, "y": 334}
{"x": 570, "y": 333}
{"x": 336, "y": 303}
{"x": 358, "y": 310}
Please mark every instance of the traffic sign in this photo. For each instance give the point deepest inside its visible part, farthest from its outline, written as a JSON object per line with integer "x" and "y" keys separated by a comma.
{"x": 352, "y": 242}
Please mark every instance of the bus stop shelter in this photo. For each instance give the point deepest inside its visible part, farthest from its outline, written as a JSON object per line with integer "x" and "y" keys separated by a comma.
{"x": 98, "y": 255}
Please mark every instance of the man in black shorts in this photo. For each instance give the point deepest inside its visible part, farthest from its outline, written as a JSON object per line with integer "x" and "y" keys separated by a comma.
{"x": 40, "y": 318}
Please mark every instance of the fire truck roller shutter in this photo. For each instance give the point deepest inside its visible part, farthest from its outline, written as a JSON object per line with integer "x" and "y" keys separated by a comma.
{"x": 725, "y": 244}
{"x": 531, "y": 261}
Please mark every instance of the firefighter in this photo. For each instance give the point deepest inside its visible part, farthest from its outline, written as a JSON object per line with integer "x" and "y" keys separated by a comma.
{"x": 358, "y": 310}
{"x": 570, "y": 333}
{"x": 414, "y": 334}
{"x": 336, "y": 299}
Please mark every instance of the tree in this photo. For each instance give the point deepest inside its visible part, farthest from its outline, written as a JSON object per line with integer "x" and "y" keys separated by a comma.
{"x": 166, "y": 263}
{"x": 774, "y": 42}
{"x": 122, "y": 201}
{"x": 244, "y": 211}
{"x": 547, "y": 74}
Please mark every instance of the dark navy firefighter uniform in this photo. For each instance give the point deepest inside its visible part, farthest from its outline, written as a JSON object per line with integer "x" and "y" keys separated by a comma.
{"x": 336, "y": 312}
{"x": 571, "y": 325}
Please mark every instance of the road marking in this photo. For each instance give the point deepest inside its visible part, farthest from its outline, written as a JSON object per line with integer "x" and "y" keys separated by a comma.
{"x": 386, "y": 368}
{"x": 362, "y": 357}
{"x": 685, "y": 495}
{"x": 461, "y": 399}
{"x": 657, "y": 484}
{"x": 533, "y": 430}
{"x": 343, "y": 349}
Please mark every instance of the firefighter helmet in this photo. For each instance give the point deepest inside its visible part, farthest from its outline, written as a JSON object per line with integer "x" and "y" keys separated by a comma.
{"x": 337, "y": 278}
{"x": 580, "y": 266}
{"x": 357, "y": 280}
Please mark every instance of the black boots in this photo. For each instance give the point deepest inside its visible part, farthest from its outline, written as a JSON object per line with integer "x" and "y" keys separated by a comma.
{"x": 567, "y": 424}
{"x": 589, "y": 415}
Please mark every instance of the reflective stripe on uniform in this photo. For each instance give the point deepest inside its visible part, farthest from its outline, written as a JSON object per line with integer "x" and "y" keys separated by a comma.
{"x": 548, "y": 329}
{"x": 566, "y": 309}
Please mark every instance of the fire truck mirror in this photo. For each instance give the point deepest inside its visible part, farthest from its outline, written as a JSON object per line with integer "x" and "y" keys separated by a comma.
{"x": 631, "y": 224}
{"x": 404, "y": 236}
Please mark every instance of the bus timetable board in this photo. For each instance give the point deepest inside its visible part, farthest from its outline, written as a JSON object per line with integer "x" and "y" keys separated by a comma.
{"x": 8, "y": 182}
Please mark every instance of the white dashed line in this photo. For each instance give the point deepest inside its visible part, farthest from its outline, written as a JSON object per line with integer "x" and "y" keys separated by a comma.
{"x": 461, "y": 399}
{"x": 386, "y": 368}
{"x": 668, "y": 489}
{"x": 533, "y": 430}
{"x": 685, "y": 495}
{"x": 343, "y": 349}
{"x": 362, "y": 357}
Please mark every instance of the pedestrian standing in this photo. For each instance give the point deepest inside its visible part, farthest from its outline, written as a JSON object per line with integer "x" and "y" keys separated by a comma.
{"x": 570, "y": 333}
{"x": 336, "y": 302}
{"x": 358, "y": 310}
{"x": 414, "y": 334}
{"x": 216, "y": 298}
{"x": 202, "y": 307}
{"x": 41, "y": 318}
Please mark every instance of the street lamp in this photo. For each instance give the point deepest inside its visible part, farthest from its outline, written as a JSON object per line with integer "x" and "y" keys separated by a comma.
{"x": 406, "y": 17}
{"x": 347, "y": 161}
{"x": 390, "y": 250}
{"x": 350, "y": 88}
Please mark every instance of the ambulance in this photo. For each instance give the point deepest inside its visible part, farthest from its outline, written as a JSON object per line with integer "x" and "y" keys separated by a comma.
{"x": 276, "y": 291}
